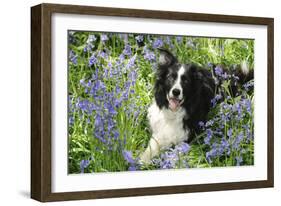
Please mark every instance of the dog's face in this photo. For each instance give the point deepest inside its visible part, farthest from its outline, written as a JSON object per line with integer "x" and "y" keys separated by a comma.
{"x": 174, "y": 80}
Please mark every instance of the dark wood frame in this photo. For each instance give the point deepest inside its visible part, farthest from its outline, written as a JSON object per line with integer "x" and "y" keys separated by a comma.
{"x": 41, "y": 101}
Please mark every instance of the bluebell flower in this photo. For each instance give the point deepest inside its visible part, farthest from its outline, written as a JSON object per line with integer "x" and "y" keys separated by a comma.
{"x": 168, "y": 41}
{"x": 103, "y": 37}
{"x": 127, "y": 50}
{"x": 210, "y": 65}
{"x": 183, "y": 148}
{"x": 132, "y": 167}
{"x": 218, "y": 97}
{"x": 201, "y": 124}
{"x": 93, "y": 60}
{"x": 248, "y": 133}
{"x": 83, "y": 165}
{"x": 247, "y": 104}
{"x": 128, "y": 156}
{"x": 209, "y": 123}
{"x": 71, "y": 37}
{"x": 218, "y": 71}
{"x": 173, "y": 157}
{"x": 239, "y": 160}
{"x": 211, "y": 154}
{"x": 169, "y": 160}
{"x": 215, "y": 100}
{"x": 91, "y": 38}
{"x": 237, "y": 107}
{"x": 71, "y": 120}
{"x": 120, "y": 59}
{"x": 238, "y": 140}
{"x": 83, "y": 105}
{"x": 98, "y": 121}
{"x": 235, "y": 78}
{"x": 225, "y": 117}
{"x": 158, "y": 43}
{"x": 225, "y": 76}
{"x": 102, "y": 54}
{"x": 139, "y": 38}
{"x": 249, "y": 85}
{"x": 88, "y": 48}
{"x": 131, "y": 62}
{"x": 179, "y": 39}
{"x": 73, "y": 57}
{"x": 191, "y": 44}
{"x": 133, "y": 76}
{"x": 149, "y": 55}
{"x": 116, "y": 134}
{"x": 229, "y": 133}
{"x": 209, "y": 134}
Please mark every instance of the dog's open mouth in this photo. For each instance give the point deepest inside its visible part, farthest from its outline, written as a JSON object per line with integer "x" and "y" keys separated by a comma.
{"x": 174, "y": 103}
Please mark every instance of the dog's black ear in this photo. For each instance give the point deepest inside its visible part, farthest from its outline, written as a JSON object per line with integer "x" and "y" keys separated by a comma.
{"x": 193, "y": 68}
{"x": 166, "y": 58}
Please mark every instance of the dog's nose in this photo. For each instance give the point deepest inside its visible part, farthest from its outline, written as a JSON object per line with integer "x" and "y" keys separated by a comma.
{"x": 176, "y": 92}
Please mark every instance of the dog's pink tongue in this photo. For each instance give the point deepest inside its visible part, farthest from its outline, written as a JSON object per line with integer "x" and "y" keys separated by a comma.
{"x": 174, "y": 104}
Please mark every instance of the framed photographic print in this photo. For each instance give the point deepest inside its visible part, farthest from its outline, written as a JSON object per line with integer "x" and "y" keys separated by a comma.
{"x": 130, "y": 102}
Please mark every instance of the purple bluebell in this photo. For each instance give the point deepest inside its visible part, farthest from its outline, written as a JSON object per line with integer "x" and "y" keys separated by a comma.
{"x": 102, "y": 54}
{"x": 209, "y": 123}
{"x": 132, "y": 167}
{"x": 128, "y": 156}
{"x": 73, "y": 57}
{"x": 71, "y": 37}
{"x": 201, "y": 124}
{"x": 179, "y": 39}
{"x": 238, "y": 140}
{"x": 103, "y": 37}
{"x": 169, "y": 160}
{"x": 239, "y": 160}
{"x": 127, "y": 50}
{"x": 93, "y": 60}
{"x": 249, "y": 85}
{"x": 83, "y": 165}
{"x": 218, "y": 71}
{"x": 168, "y": 41}
{"x": 92, "y": 38}
{"x": 158, "y": 43}
{"x": 190, "y": 43}
{"x": 131, "y": 62}
{"x": 71, "y": 120}
{"x": 229, "y": 132}
{"x": 149, "y": 55}
{"x": 247, "y": 104}
{"x": 209, "y": 134}
{"x": 139, "y": 38}
{"x": 183, "y": 148}
{"x": 215, "y": 100}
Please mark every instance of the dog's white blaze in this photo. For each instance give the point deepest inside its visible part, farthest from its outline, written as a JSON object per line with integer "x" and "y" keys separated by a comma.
{"x": 167, "y": 129}
{"x": 177, "y": 84}
{"x": 244, "y": 67}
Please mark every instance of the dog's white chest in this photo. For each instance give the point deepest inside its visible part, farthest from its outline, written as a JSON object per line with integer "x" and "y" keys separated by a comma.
{"x": 167, "y": 126}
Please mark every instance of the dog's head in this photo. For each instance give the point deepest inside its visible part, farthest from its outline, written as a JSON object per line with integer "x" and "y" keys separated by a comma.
{"x": 173, "y": 81}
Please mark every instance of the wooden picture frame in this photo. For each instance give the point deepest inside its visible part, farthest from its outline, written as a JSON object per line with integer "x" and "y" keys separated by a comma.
{"x": 41, "y": 97}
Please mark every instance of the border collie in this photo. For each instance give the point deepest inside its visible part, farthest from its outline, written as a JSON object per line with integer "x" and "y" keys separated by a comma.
{"x": 182, "y": 98}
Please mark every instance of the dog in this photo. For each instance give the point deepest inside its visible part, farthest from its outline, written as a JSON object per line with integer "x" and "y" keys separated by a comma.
{"x": 182, "y": 98}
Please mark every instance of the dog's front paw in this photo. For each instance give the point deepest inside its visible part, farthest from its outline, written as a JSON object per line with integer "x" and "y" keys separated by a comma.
{"x": 144, "y": 158}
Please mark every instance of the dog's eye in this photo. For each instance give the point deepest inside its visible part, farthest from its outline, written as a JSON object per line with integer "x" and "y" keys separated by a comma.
{"x": 172, "y": 76}
{"x": 184, "y": 79}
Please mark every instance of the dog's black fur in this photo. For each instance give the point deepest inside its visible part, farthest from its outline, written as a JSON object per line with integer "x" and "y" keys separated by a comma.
{"x": 198, "y": 84}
